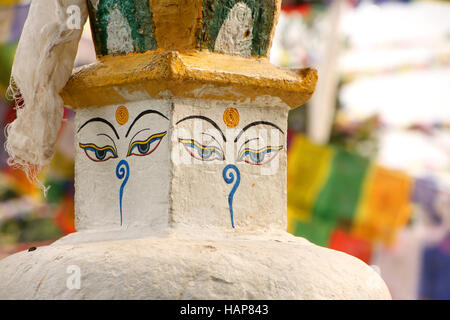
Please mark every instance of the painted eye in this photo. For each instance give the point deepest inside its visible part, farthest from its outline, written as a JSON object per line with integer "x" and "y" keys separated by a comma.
{"x": 144, "y": 148}
{"x": 201, "y": 152}
{"x": 259, "y": 157}
{"x": 98, "y": 154}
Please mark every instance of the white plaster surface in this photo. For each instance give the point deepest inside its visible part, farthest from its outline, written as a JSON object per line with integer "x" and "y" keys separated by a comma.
{"x": 170, "y": 187}
{"x": 145, "y": 195}
{"x": 273, "y": 266}
{"x": 209, "y": 89}
{"x": 138, "y": 95}
{"x": 199, "y": 194}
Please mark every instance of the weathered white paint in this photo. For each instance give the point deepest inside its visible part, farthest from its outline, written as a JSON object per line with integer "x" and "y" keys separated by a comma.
{"x": 145, "y": 195}
{"x": 119, "y": 33}
{"x": 267, "y": 266}
{"x": 260, "y": 199}
{"x": 236, "y": 33}
{"x": 138, "y": 95}
{"x": 267, "y": 101}
{"x": 160, "y": 182}
{"x": 209, "y": 89}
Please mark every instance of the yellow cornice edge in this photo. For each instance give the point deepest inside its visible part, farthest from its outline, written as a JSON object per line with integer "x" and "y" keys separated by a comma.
{"x": 158, "y": 74}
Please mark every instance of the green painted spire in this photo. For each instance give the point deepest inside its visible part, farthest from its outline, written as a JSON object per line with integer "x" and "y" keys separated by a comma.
{"x": 122, "y": 26}
{"x": 215, "y": 13}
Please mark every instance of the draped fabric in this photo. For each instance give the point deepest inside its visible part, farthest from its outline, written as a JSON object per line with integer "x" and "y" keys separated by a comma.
{"x": 42, "y": 66}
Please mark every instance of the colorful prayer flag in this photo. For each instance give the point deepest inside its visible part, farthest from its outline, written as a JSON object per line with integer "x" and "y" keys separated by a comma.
{"x": 329, "y": 189}
{"x": 348, "y": 243}
{"x": 385, "y": 205}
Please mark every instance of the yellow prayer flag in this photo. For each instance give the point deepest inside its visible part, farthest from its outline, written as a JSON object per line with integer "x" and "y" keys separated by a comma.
{"x": 308, "y": 168}
{"x": 385, "y": 205}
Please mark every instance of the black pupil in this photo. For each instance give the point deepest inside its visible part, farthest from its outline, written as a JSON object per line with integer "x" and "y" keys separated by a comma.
{"x": 258, "y": 157}
{"x": 101, "y": 154}
{"x": 205, "y": 153}
{"x": 143, "y": 148}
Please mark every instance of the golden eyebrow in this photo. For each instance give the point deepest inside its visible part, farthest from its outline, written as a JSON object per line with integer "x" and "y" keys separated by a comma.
{"x": 157, "y": 135}
{"x": 198, "y": 145}
{"x": 260, "y": 150}
{"x": 93, "y": 146}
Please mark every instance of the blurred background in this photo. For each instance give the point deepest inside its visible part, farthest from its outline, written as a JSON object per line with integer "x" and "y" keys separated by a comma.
{"x": 368, "y": 156}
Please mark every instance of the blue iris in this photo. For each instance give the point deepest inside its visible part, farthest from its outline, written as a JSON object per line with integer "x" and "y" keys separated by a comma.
{"x": 144, "y": 148}
{"x": 101, "y": 154}
{"x": 205, "y": 153}
{"x": 257, "y": 157}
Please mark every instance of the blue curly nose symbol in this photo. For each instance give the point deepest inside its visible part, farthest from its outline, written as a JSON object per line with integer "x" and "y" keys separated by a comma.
{"x": 122, "y": 172}
{"x": 229, "y": 177}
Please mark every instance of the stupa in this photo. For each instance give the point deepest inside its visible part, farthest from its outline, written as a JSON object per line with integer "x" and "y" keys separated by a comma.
{"x": 180, "y": 169}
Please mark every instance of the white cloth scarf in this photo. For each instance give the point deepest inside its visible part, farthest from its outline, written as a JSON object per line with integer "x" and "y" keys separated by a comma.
{"x": 42, "y": 66}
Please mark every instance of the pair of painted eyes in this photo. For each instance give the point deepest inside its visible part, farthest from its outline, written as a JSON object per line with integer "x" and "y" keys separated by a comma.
{"x": 248, "y": 155}
{"x": 137, "y": 148}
